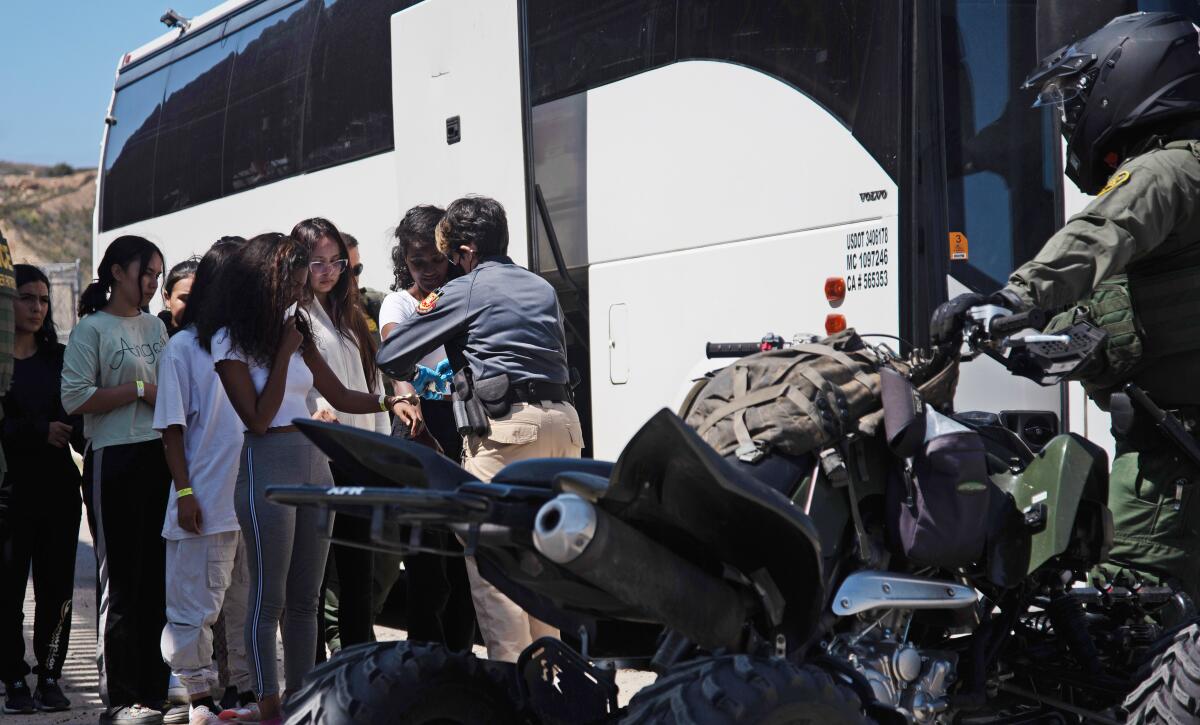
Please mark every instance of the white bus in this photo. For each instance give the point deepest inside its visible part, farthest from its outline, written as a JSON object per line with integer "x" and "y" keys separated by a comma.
{"x": 705, "y": 166}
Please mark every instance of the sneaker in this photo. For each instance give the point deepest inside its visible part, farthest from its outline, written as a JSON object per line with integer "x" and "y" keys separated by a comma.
{"x": 175, "y": 714}
{"x": 49, "y": 696}
{"x": 201, "y": 715}
{"x": 131, "y": 715}
{"x": 245, "y": 713}
{"x": 18, "y": 699}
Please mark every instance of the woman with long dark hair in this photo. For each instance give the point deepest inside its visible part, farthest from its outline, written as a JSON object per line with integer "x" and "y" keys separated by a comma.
{"x": 341, "y": 335}
{"x": 438, "y": 604}
{"x": 109, "y": 377}
{"x": 176, "y": 291}
{"x": 43, "y": 507}
{"x": 261, "y": 341}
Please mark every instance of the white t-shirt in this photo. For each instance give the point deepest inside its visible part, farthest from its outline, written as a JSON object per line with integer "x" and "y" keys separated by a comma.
{"x": 341, "y": 354}
{"x": 191, "y": 395}
{"x": 295, "y": 390}
{"x": 398, "y": 307}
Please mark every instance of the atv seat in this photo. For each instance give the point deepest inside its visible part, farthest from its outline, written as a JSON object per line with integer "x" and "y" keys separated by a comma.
{"x": 540, "y": 472}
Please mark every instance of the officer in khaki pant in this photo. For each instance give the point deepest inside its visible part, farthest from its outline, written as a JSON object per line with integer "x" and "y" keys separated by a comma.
{"x": 503, "y": 333}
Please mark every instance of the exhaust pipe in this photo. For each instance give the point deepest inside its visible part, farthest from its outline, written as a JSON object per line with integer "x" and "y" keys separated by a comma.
{"x": 640, "y": 572}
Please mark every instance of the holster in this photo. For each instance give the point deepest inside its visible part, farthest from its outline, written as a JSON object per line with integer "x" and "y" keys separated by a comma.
{"x": 470, "y": 416}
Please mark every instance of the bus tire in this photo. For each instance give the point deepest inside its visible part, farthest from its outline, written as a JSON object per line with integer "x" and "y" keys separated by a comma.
{"x": 744, "y": 689}
{"x": 410, "y": 684}
{"x": 1171, "y": 693}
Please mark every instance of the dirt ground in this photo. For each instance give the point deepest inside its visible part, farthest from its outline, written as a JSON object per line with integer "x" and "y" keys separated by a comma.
{"x": 80, "y": 681}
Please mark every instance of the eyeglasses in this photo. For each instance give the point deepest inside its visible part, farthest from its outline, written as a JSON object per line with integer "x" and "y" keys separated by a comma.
{"x": 336, "y": 266}
{"x": 356, "y": 270}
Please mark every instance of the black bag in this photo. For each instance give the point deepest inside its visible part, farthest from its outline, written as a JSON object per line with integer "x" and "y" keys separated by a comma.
{"x": 939, "y": 513}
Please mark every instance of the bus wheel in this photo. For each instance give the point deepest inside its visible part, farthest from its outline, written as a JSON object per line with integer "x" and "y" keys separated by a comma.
{"x": 411, "y": 684}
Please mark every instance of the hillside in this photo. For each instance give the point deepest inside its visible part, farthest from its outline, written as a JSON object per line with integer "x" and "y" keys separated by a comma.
{"x": 46, "y": 212}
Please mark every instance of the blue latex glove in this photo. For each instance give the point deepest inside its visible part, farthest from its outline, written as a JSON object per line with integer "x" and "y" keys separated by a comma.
{"x": 433, "y": 383}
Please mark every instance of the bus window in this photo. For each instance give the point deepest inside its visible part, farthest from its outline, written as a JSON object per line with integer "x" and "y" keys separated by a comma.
{"x": 348, "y": 111}
{"x": 575, "y": 45}
{"x": 1000, "y": 153}
{"x": 188, "y": 160}
{"x": 266, "y": 95}
{"x": 129, "y": 153}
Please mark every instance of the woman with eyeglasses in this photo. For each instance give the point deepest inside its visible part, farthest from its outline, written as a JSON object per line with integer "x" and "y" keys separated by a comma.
{"x": 259, "y": 330}
{"x": 341, "y": 334}
{"x": 110, "y": 375}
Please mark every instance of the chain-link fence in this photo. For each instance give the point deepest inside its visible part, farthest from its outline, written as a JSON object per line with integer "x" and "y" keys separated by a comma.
{"x": 64, "y": 294}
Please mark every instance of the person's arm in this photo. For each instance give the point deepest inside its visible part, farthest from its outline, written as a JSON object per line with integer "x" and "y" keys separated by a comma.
{"x": 1119, "y": 226}
{"x": 190, "y": 517}
{"x": 257, "y": 410}
{"x": 352, "y": 401}
{"x": 435, "y": 324}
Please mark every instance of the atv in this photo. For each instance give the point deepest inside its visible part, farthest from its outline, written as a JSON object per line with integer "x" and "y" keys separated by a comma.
{"x": 778, "y": 592}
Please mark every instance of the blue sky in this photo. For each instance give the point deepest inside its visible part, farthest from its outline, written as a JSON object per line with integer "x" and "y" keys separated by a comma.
{"x": 59, "y": 60}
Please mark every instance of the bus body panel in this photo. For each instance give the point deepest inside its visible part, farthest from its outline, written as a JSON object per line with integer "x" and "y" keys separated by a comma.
{"x": 460, "y": 59}
{"x": 704, "y": 152}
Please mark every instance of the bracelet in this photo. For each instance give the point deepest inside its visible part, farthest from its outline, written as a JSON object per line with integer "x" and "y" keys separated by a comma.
{"x": 183, "y": 492}
{"x": 383, "y": 403}
{"x": 141, "y": 388}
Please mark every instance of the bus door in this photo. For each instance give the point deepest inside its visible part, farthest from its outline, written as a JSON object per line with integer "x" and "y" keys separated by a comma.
{"x": 1003, "y": 180}
{"x": 458, "y": 107}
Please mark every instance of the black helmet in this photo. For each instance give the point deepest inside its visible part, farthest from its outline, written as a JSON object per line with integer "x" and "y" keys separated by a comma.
{"x": 1137, "y": 71}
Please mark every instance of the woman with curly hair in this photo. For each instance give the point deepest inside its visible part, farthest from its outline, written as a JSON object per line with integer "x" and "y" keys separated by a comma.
{"x": 263, "y": 349}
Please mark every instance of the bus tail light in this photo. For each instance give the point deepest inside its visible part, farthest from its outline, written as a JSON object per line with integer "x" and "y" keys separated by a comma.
{"x": 835, "y": 289}
{"x": 834, "y": 323}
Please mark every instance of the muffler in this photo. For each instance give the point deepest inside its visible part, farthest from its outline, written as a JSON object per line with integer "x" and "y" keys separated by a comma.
{"x": 608, "y": 553}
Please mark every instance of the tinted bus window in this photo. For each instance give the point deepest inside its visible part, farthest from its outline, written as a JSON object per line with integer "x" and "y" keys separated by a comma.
{"x": 1000, "y": 152}
{"x": 348, "y": 111}
{"x": 188, "y": 160}
{"x": 266, "y": 95}
{"x": 129, "y": 155}
{"x": 575, "y": 45}
{"x": 844, "y": 54}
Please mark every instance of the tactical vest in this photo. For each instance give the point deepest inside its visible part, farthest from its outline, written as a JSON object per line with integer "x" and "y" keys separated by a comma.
{"x": 1152, "y": 316}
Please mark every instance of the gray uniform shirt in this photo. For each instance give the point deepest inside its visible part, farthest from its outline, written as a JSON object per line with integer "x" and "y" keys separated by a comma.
{"x": 499, "y": 318}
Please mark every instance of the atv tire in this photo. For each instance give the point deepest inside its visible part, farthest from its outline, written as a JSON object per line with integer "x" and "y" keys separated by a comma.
{"x": 1171, "y": 694}
{"x": 407, "y": 683}
{"x": 743, "y": 689}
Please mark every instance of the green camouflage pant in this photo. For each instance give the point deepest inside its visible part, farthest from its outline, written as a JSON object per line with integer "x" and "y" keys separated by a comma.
{"x": 1155, "y": 533}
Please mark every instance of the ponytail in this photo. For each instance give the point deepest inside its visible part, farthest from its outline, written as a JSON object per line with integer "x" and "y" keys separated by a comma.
{"x": 122, "y": 252}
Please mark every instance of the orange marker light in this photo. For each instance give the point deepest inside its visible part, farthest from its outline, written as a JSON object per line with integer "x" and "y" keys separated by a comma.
{"x": 835, "y": 289}
{"x": 834, "y": 323}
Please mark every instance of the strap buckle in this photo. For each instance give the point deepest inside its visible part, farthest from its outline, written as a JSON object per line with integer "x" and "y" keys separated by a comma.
{"x": 751, "y": 452}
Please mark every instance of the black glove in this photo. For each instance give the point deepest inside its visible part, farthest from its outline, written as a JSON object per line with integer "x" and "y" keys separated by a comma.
{"x": 947, "y": 322}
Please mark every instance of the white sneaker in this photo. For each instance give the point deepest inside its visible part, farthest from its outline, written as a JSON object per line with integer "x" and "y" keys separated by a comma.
{"x": 245, "y": 713}
{"x": 201, "y": 715}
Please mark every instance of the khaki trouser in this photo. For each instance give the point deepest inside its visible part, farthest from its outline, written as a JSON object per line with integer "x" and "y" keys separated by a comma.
{"x": 199, "y": 571}
{"x": 542, "y": 430}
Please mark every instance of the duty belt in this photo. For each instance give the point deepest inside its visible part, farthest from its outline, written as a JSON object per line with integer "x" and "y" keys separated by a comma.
{"x": 536, "y": 391}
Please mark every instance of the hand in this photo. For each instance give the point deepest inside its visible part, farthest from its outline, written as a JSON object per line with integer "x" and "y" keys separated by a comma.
{"x": 291, "y": 338}
{"x": 190, "y": 518}
{"x": 410, "y": 414}
{"x": 947, "y": 322}
{"x": 325, "y": 415}
{"x": 59, "y": 434}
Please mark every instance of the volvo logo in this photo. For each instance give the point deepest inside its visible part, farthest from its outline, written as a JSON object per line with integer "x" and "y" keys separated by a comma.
{"x": 865, "y": 196}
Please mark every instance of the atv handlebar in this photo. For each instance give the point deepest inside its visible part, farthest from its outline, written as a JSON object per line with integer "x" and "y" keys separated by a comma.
{"x": 742, "y": 349}
{"x": 1002, "y": 327}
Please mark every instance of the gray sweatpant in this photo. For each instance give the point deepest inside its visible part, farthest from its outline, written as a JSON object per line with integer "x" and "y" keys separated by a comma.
{"x": 286, "y": 555}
